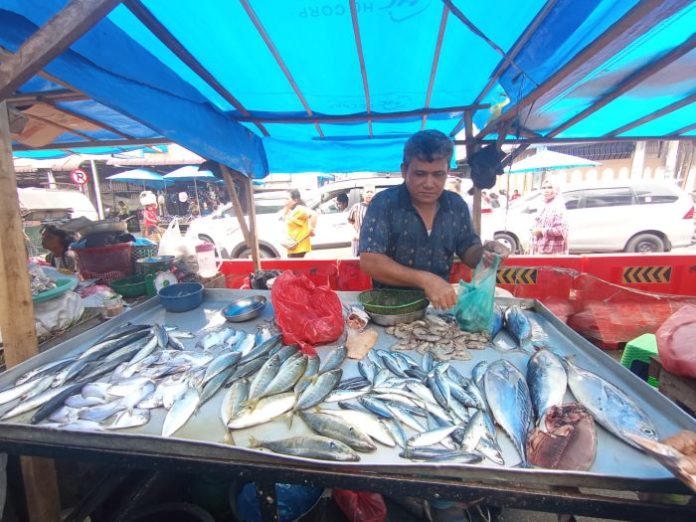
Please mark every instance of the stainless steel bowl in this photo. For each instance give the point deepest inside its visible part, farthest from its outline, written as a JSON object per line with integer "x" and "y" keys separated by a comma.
{"x": 244, "y": 309}
{"x": 391, "y": 320}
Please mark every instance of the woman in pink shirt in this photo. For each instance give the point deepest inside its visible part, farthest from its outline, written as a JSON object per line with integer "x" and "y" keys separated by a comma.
{"x": 150, "y": 221}
{"x": 550, "y": 232}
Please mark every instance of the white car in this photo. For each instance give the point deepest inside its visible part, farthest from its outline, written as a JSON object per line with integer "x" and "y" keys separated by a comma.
{"x": 333, "y": 230}
{"x": 620, "y": 216}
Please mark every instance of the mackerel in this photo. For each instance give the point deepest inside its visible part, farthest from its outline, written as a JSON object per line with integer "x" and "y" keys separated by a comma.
{"x": 368, "y": 422}
{"x": 309, "y": 447}
{"x": 265, "y": 410}
{"x": 286, "y": 378}
{"x": 336, "y": 428}
{"x": 53, "y": 366}
{"x": 180, "y": 412}
{"x": 233, "y": 401}
{"x": 334, "y": 359}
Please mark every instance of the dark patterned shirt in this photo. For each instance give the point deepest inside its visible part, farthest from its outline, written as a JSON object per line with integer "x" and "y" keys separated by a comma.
{"x": 393, "y": 227}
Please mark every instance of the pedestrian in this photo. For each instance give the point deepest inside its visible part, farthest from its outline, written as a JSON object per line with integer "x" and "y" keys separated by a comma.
{"x": 57, "y": 242}
{"x": 300, "y": 223}
{"x": 550, "y": 231}
{"x": 357, "y": 215}
{"x": 411, "y": 232}
{"x": 151, "y": 222}
{"x": 493, "y": 200}
{"x": 123, "y": 210}
{"x": 515, "y": 195}
{"x": 342, "y": 202}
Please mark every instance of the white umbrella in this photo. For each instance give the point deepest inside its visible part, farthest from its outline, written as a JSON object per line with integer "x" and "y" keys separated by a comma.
{"x": 545, "y": 159}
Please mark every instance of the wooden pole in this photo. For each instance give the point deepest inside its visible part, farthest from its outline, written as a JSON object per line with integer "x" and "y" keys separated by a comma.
{"x": 17, "y": 321}
{"x": 236, "y": 204}
{"x": 470, "y": 149}
{"x": 255, "y": 253}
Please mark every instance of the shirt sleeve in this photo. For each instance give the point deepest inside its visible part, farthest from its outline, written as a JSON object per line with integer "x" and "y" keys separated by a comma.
{"x": 374, "y": 233}
{"x": 466, "y": 237}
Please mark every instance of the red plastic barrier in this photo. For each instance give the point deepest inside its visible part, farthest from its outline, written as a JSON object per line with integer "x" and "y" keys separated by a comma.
{"x": 351, "y": 278}
{"x": 664, "y": 273}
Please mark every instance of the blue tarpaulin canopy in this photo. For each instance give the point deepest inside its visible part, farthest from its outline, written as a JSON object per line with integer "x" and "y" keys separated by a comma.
{"x": 290, "y": 86}
{"x": 145, "y": 177}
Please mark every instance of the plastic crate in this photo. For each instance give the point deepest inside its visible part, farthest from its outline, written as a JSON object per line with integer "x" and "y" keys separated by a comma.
{"x": 141, "y": 252}
{"x": 102, "y": 260}
{"x": 636, "y": 356}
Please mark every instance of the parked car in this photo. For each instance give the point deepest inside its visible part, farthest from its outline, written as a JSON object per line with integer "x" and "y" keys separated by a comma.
{"x": 619, "y": 216}
{"x": 333, "y": 230}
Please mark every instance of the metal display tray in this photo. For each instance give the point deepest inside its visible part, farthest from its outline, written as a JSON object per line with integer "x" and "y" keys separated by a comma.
{"x": 617, "y": 466}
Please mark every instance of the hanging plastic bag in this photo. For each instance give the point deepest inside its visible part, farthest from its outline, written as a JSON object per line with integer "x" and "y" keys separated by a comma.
{"x": 361, "y": 506}
{"x": 306, "y": 314}
{"x": 171, "y": 241}
{"x": 474, "y": 308}
{"x": 676, "y": 339}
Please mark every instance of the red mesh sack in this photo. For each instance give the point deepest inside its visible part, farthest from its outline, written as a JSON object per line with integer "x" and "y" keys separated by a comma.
{"x": 306, "y": 314}
{"x": 676, "y": 342}
{"x": 359, "y": 506}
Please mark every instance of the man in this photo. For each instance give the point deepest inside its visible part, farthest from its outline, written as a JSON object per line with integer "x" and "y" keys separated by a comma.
{"x": 411, "y": 232}
{"x": 342, "y": 202}
{"x": 357, "y": 215}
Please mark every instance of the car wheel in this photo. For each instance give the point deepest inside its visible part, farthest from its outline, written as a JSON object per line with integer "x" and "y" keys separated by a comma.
{"x": 508, "y": 240}
{"x": 266, "y": 253}
{"x": 645, "y": 244}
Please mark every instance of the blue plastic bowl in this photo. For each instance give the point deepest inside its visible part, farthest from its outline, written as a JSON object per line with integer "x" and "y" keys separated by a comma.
{"x": 181, "y": 297}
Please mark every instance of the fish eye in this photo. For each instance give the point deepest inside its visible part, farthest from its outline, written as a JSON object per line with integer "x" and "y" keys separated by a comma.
{"x": 649, "y": 431}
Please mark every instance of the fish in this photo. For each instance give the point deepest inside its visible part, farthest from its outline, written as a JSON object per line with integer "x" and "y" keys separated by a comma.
{"x": 221, "y": 363}
{"x": 246, "y": 344}
{"x": 473, "y": 432}
{"x": 16, "y": 392}
{"x": 64, "y": 415}
{"x": 368, "y": 422}
{"x": 508, "y": 397}
{"x": 53, "y": 367}
{"x": 439, "y": 454}
{"x": 517, "y": 323}
{"x": 77, "y": 425}
{"x": 368, "y": 370}
{"x": 56, "y": 402}
{"x": 496, "y": 321}
{"x": 404, "y": 418}
{"x": 312, "y": 447}
{"x": 397, "y": 431}
{"x": 172, "y": 392}
{"x": 130, "y": 418}
{"x": 611, "y": 408}
{"x": 547, "y": 381}
{"x": 286, "y": 378}
{"x": 490, "y": 450}
{"x": 346, "y": 395}
{"x": 430, "y": 438}
{"x": 34, "y": 402}
{"x": 334, "y": 359}
{"x": 354, "y": 383}
{"x": 264, "y": 377}
{"x": 335, "y": 428}
{"x": 233, "y": 401}
{"x": 261, "y": 349}
{"x": 146, "y": 350}
{"x": 211, "y": 339}
{"x": 319, "y": 390}
{"x": 103, "y": 411}
{"x": 245, "y": 370}
{"x": 101, "y": 349}
{"x": 265, "y": 410}
{"x": 161, "y": 335}
{"x": 213, "y": 386}
{"x": 175, "y": 343}
{"x": 310, "y": 375}
{"x": 180, "y": 412}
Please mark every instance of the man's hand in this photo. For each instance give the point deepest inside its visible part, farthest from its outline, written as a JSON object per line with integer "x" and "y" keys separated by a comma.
{"x": 440, "y": 293}
{"x": 491, "y": 249}
{"x": 685, "y": 443}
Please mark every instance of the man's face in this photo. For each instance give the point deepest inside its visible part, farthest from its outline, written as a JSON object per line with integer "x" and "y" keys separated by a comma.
{"x": 425, "y": 180}
{"x": 367, "y": 194}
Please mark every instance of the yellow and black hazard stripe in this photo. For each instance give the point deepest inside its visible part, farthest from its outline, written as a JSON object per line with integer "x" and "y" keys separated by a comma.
{"x": 647, "y": 274}
{"x": 517, "y": 276}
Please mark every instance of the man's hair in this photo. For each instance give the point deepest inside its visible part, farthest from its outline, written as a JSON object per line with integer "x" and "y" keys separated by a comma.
{"x": 63, "y": 236}
{"x": 342, "y": 197}
{"x": 428, "y": 145}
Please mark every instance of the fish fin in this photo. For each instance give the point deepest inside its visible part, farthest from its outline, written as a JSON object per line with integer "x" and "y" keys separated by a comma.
{"x": 291, "y": 416}
{"x": 523, "y": 465}
{"x": 254, "y": 442}
{"x": 229, "y": 438}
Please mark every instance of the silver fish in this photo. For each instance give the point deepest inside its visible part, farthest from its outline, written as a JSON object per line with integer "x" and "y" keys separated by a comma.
{"x": 397, "y": 431}
{"x": 64, "y": 415}
{"x": 313, "y": 447}
{"x": 611, "y": 407}
{"x": 508, "y": 397}
{"x": 213, "y": 385}
{"x": 334, "y": 359}
{"x": 173, "y": 392}
{"x": 261, "y": 349}
{"x": 233, "y": 401}
{"x": 175, "y": 343}
{"x": 517, "y": 323}
{"x": 319, "y": 390}
{"x": 430, "y": 438}
{"x": 404, "y": 418}
{"x": 128, "y": 386}
{"x": 34, "y": 402}
{"x": 345, "y": 395}
{"x": 17, "y": 391}
{"x": 180, "y": 412}
{"x": 130, "y": 419}
{"x": 439, "y": 454}
{"x": 547, "y": 382}
{"x": 161, "y": 335}
{"x": 336, "y": 428}
{"x": 289, "y": 373}
{"x": 309, "y": 375}
{"x": 221, "y": 363}
{"x": 264, "y": 377}
{"x": 53, "y": 367}
{"x": 77, "y": 425}
{"x": 145, "y": 351}
{"x": 473, "y": 433}
{"x": 265, "y": 410}
{"x": 103, "y": 411}
{"x": 78, "y": 401}
{"x": 368, "y": 422}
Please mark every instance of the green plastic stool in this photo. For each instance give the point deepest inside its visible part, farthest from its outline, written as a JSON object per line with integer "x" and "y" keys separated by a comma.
{"x": 640, "y": 350}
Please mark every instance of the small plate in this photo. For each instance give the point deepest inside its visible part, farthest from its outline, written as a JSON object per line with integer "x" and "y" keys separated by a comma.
{"x": 244, "y": 309}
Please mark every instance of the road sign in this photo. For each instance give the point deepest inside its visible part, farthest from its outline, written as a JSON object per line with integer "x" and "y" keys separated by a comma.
{"x": 79, "y": 176}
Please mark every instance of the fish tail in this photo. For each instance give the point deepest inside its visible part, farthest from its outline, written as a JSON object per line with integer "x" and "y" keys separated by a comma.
{"x": 254, "y": 442}
{"x": 229, "y": 438}
{"x": 291, "y": 417}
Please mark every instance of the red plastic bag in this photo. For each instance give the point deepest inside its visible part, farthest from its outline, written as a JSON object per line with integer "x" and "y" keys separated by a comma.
{"x": 676, "y": 342}
{"x": 306, "y": 314}
{"x": 359, "y": 506}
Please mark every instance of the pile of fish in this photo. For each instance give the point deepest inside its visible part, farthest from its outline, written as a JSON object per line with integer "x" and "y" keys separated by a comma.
{"x": 421, "y": 406}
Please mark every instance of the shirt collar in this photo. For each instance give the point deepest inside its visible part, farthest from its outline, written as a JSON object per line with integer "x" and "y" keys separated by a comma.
{"x": 404, "y": 199}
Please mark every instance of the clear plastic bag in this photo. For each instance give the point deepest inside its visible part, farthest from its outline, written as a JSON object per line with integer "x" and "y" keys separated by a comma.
{"x": 474, "y": 308}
